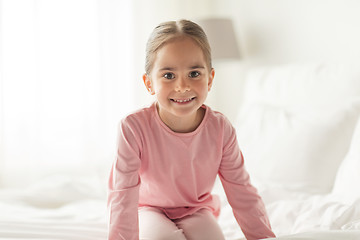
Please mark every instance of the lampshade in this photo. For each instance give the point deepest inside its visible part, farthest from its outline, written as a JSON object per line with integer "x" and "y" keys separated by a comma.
{"x": 221, "y": 35}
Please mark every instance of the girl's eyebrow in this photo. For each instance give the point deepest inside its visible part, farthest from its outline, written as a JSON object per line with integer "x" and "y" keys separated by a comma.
{"x": 173, "y": 69}
{"x": 167, "y": 69}
{"x": 197, "y": 67}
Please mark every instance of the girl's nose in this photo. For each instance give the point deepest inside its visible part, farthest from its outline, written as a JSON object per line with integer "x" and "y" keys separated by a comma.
{"x": 182, "y": 85}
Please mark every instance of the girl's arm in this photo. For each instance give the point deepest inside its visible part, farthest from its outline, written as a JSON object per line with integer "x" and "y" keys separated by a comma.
{"x": 124, "y": 183}
{"x": 247, "y": 205}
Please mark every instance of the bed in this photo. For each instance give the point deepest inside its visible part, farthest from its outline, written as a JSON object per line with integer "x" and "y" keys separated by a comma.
{"x": 299, "y": 130}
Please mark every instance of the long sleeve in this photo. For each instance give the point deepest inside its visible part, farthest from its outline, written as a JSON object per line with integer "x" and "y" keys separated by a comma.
{"x": 124, "y": 183}
{"x": 247, "y": 205}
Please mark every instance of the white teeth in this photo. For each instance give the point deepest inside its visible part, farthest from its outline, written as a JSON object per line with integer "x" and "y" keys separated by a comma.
{"x": 182, "y": 100}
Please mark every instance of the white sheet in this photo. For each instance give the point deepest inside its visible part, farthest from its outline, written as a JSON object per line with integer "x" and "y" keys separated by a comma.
{"x": 296, "y": 213}
{"x": 319, "y": 235}
{"x": 57, "y": 208}
{"x": 81, "y": 220}
{"x": 76, "y": 209}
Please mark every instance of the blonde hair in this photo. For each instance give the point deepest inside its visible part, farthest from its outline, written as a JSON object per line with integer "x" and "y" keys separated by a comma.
{"x": 168, "y": 31}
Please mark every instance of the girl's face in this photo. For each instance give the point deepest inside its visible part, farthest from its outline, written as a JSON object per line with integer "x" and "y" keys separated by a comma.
{"x": 180, "y": 79}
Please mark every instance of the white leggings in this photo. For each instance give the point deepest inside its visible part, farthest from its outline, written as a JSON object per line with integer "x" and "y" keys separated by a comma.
{"x": 155, "y": 225}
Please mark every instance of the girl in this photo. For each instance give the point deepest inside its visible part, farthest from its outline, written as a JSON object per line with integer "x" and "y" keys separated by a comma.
{"x": 170, "y": 153}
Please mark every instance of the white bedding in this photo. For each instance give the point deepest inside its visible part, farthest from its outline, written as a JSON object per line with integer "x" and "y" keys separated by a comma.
{"x": 57, "y": 208}
{"x": 319, "y": 235}
{"x": 76, "y": 209}
{"x": 299, "y": 130}
{"x": 308, "y": 216}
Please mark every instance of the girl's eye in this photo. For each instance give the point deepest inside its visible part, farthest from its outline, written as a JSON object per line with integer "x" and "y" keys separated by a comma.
{"x": 169, "y": 75}
{"x": 194, "y": 74}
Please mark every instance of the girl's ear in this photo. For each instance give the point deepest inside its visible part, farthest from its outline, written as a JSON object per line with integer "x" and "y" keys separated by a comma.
{"x": 211, "y": 78}
{"x": 148, "y": 84}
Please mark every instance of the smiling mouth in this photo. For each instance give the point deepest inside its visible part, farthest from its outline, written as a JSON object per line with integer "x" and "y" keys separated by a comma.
{"x": 183, "y": 100}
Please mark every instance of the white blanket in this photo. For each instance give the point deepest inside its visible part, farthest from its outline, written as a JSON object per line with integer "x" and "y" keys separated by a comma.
{"x": 68, "y": 208}
{"x": 318, "y": 216}
{"x": 57, "y": 208}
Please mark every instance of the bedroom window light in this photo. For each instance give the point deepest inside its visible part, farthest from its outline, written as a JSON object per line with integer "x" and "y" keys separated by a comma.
{"x": 64, "y": 67}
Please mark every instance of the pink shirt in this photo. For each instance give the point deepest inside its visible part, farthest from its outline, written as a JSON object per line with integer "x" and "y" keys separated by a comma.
{"x": 175, "y": 172}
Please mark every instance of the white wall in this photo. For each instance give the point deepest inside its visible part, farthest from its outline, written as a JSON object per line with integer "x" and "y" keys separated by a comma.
{"x": 286, "y": 31}
{"x": 295, "y": 30}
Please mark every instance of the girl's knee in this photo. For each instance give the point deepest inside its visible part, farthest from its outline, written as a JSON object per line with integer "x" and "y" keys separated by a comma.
{"x": 154, "y": 225}
{"x": 201, "y": 226}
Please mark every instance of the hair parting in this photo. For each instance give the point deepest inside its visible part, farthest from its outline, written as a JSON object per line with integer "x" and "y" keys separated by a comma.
{"x": 169, "y": 31}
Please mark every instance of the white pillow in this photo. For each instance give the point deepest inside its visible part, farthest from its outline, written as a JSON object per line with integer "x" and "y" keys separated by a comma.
{"x": 303, "y": 84}
{"x": 348, "y": 176}
{"x": 296, "y": 122}
{"x": 298, "y": 148}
